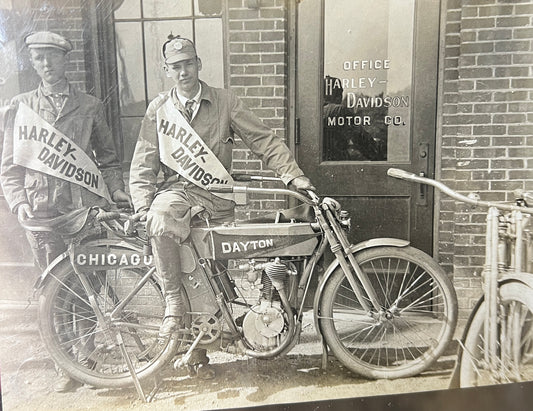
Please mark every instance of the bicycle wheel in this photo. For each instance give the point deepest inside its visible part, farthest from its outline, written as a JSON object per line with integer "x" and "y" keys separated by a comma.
{"x": 514, "y": 359}
{"x": 85, "y": 348}
{"x": 416, "y": 321}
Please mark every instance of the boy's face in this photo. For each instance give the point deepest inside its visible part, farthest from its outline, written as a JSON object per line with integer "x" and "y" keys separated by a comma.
{"x": 185, "y": 75}
{"x": 49, "y": 63}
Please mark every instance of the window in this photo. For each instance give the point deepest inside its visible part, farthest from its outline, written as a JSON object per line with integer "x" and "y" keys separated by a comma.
{"x": 368, "y": 66}
{"x": 141, "y": 28}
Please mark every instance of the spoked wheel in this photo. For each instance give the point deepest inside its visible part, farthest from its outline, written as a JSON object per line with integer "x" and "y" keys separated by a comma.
{"x": 417, "y": 317}
{"x": 513, "y": 361}
{"x": 87, "y": 347}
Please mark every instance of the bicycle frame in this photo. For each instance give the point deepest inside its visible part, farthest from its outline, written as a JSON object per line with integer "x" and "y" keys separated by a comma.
{"x": 504, "y": 256}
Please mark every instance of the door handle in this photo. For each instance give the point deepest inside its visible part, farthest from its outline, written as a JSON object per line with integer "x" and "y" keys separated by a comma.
{"x": 423, "y": 155}
{"x": 422, "y": 192}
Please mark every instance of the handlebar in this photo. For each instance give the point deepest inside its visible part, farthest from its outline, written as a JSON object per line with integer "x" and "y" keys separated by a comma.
{"x": 107, "y": 215}
{"x": 223, "y": 188}
{"x": 249, "y": 177}
{"x": 407, "y": 176}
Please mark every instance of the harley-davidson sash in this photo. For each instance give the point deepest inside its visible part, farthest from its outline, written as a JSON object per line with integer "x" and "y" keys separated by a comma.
{"x": 184, "y": 151}
{"x": 40, "y": 146}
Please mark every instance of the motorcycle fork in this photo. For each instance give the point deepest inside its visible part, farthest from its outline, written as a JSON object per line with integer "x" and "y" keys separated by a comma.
{"x": 340, "y": 247}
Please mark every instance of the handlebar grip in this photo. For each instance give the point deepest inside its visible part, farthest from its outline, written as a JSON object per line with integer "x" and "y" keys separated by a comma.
{"x": 220, "y": 188}
{"x": 241, "y": 177}
{"x": 401, "y": 174}
{"x": 522, "y": 194}
{"x": 107, "y": 215}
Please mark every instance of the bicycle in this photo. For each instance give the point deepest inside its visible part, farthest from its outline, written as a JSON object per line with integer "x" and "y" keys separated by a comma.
{"x": 497, "y": 343}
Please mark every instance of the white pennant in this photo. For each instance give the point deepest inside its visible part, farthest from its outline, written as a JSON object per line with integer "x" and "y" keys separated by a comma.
{"x": 184, "y": 151}
{"x": 40, "y": 146}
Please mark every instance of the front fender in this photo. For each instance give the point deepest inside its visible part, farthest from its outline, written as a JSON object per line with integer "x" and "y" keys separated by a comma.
{"x": 104, "y": 242}
{"x": 355, "y": 248}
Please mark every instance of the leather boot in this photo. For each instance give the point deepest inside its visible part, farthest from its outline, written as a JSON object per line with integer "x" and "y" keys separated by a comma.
{"x": 167, "y": 262}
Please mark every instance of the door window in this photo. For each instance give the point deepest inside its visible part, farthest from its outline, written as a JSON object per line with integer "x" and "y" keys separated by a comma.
{"x": 367, "y": 85}
{"x": 141, "y": 27}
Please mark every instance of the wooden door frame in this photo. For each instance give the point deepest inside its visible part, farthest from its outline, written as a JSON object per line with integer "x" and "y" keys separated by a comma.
{"x": 292, "y": 129}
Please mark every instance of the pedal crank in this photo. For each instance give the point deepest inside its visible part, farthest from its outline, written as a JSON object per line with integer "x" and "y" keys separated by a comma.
{"x": 187, "y": 356}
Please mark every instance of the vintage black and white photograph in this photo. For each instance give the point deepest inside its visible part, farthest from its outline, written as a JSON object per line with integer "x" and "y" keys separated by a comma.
{"x": 220, "y": 204}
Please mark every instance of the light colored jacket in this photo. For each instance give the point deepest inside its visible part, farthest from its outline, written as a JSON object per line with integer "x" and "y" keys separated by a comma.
{"x": 221, "y": 115}
{"x": 82, "y": 120}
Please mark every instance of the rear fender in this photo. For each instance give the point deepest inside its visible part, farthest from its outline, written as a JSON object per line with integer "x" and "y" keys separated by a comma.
{"x": 355, "y": 248}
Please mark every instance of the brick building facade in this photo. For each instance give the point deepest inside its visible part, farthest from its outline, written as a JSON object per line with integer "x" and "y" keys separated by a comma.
{"x": 487, "y": 124}
{"x": 484, "y": 110}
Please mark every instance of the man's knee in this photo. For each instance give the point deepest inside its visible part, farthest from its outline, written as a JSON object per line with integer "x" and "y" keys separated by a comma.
{"x": 168, "y": 223}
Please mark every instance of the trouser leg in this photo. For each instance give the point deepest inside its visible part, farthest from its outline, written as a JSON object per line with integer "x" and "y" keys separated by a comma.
{"x": 167, "y": 262}
{"x": 45, "y": 246}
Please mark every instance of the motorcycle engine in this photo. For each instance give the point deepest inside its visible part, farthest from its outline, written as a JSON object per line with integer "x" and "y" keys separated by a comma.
{"x": 265, "y": 324}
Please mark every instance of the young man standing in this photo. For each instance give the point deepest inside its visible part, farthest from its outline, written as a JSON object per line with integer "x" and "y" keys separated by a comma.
{"x": 58, "y": 154}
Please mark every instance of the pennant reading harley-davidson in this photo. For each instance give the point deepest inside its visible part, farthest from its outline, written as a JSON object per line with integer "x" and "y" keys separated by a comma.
{"x": 184, "y": 151}
{"x": 40, "y": 146}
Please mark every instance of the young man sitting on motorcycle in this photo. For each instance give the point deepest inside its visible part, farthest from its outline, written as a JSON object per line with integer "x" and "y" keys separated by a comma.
{"x": 50, "y": 132}
{"x": 188, "y": 134}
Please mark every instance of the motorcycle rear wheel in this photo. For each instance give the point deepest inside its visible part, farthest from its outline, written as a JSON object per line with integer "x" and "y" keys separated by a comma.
{"x": 514, "y": 359}
{"x": 417, "y": 319}
{"x": 76, "y": 340}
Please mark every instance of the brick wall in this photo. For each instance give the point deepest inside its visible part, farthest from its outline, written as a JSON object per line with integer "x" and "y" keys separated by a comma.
{"x": 66, "y": 19}
{"x": 487, "y": 133}
{"x": 258, "y": 67}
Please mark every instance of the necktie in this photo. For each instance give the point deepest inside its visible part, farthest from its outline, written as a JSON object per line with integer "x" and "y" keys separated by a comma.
{"x": 189, "y": 110}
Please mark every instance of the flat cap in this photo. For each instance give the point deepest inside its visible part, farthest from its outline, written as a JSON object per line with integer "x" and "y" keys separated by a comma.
{"x": 41, "y": 39}
{"x": 177, "y": 49}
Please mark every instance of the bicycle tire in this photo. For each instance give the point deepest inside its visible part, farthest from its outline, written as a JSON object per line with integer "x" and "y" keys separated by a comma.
{"x": 418, "y": 318}
{"x": 75, "y": 340}
{"x": 515, "y": 323}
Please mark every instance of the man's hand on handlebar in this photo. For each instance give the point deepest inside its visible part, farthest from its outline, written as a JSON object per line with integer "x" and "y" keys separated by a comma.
{"x": 140, "y": 215}
{"x": 301, "y": 184}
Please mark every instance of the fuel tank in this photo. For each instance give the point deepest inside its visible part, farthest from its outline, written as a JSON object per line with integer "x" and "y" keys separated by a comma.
{"x": 241, "y": 240}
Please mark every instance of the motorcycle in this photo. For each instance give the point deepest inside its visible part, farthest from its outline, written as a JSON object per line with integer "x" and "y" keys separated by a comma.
{"x": 383, "y": 308}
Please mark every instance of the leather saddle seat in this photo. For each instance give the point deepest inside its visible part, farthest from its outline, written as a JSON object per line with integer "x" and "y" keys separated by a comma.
{"x": 66, "y": 225}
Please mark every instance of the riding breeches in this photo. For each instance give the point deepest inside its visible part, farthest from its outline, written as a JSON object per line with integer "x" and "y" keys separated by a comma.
{"x": 168, "y": 225}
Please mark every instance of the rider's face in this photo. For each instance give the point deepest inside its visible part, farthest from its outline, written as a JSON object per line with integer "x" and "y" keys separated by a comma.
{"x": 185, "y": 75}
{"x": 49, "y": 63}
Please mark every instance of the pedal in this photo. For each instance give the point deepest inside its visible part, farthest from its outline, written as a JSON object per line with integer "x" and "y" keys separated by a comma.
{"x": 183, "y": 361}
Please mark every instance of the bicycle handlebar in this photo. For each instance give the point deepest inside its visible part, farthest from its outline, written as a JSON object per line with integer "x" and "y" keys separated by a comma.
{"x": 407, "y": 176}
{"x": 249, "y": 177}
{"x": 224, "y": 188}
{"x": 107, "y": 215}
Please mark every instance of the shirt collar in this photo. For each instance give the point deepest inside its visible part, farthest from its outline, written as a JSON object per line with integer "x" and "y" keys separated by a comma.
{"x": 58, "y": 88}
{"x": 183, "y": 99}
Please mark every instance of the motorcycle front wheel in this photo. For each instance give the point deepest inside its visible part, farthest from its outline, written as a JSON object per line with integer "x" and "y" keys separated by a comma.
{"x": 513, "y": 359}
{"x": 416, "y": 320}
{"x": 86, "y": 347}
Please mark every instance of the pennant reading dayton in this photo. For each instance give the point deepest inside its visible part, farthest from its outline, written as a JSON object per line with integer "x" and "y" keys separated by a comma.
{"x": 40, "y": 146}
{"x": 184, "y": 151}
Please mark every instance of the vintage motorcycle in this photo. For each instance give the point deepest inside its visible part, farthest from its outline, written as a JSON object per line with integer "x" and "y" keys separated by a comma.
{"x": 382, "y": 307}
